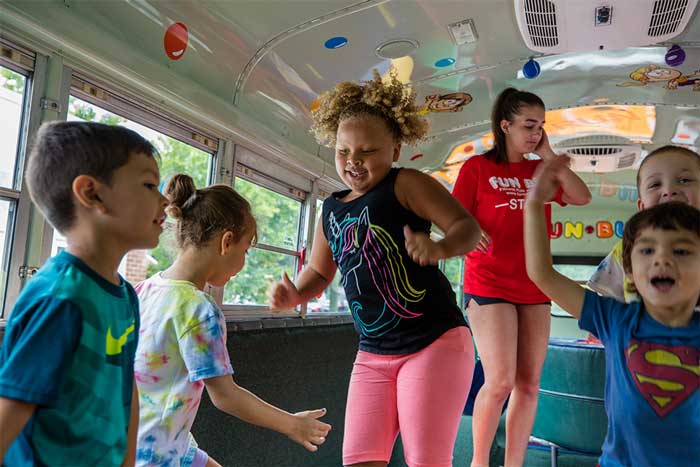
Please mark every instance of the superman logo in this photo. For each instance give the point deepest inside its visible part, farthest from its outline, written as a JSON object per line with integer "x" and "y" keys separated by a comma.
{"x": 665, "y": 375}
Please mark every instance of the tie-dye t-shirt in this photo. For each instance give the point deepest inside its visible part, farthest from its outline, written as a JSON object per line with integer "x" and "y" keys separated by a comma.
{"x": 182, "y": 342}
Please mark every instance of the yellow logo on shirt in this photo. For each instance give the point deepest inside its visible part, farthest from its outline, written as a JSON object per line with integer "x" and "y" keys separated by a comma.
{"x": 114, "y": 346}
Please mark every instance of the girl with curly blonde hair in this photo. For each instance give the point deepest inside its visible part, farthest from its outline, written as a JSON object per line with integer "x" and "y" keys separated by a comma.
{"x": 414, "y": 366}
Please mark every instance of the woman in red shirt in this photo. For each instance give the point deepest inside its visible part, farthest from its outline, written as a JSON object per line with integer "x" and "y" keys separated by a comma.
{"x": 508, "y": 314}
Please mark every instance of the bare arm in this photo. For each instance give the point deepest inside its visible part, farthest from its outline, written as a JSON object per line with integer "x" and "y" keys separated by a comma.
{"x": 538, "y": 259}
{"x": 313, "y": 280}
{"x": 575, "y": 190}
{"x": 130, "y": 455}
{"x": 428, "y": 199}
{"x": 14, "y": 415}
{"x": 303, "y": 427}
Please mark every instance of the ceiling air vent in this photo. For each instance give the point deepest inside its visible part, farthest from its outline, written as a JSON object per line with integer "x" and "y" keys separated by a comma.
{"x": 666, "y": 17}
{"x": 541, "y": 20}
{"x": 560, "y": 26}
{"x": 600, "y": 153}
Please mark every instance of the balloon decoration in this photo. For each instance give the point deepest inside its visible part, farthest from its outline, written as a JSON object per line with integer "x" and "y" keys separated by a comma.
{"x": 175, "y": 41}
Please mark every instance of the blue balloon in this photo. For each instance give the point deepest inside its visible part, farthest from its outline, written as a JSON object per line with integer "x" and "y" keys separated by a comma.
{"x": 531, "y": 69}
{"x": 675, "y": 56}
{"x": 443, "y": 62}
{"x": 336, "y": 42}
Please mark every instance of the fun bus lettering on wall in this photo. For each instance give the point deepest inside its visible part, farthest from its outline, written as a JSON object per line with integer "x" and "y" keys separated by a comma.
{"x": 577, "y": 230}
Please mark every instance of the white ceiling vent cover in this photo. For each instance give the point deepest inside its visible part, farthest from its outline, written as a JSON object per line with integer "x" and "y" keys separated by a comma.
{"x": 601, "y": 153}
{"x": 560, "y": 26}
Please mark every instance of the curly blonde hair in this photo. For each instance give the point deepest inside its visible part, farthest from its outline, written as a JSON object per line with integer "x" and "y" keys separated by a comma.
{"x": 390, "y": 101}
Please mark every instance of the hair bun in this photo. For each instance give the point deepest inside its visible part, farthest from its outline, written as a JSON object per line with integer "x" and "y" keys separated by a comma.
{"x": 179, "y": 190}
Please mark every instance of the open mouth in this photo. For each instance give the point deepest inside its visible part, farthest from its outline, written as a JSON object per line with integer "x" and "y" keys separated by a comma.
{"x": 663, "y": 283}
{"x": 356, "y": 173}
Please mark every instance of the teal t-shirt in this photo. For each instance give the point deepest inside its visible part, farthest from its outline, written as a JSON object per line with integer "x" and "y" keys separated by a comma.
{"x": 69, "y": 347}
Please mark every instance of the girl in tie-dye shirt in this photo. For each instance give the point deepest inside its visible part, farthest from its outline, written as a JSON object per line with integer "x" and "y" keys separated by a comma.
{"x": 182, "y": 343}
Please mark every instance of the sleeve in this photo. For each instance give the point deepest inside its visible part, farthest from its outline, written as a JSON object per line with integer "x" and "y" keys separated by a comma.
{"x": 203, "y": 344}
{"x": 37, "y": 351}
{"x": 609, "y": 278}
{"x": 599, "y": 314}
{"x": 466, "y": 186}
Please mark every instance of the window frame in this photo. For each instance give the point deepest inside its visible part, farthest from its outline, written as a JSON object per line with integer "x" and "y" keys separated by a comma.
{"x": 123, "y": 104}
{"x": 251, "y": 175}
{"x": 33, "y": 67}
{"x": 571, "y": 260}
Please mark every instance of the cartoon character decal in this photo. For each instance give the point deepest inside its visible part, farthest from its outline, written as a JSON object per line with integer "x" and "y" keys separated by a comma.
{"x": 656, "y": 74}
{"x": 453, "y": 102}
{"x": 665, "y": 375}
{"x": 362, "y": 242}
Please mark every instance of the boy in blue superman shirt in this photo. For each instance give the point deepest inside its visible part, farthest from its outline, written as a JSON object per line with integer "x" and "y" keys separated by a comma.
{"x": 652, "y": 346}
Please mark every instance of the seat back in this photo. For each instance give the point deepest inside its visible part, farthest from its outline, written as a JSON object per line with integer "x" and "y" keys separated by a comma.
{"x": 571, "y": 408}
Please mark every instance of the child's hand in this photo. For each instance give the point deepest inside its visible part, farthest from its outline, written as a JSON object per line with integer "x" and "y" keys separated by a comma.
{"x": 546, "y": 179}
{"x": 421, "y": 248}
{"x": 283, "y": 295}
{"x": 308, "y": 431}
{"x": 484, "y": 242}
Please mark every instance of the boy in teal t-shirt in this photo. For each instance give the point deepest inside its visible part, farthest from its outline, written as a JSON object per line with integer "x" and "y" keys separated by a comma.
{"x": 67, "y": 392}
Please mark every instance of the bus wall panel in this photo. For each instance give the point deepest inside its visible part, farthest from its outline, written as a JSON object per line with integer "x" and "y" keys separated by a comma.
{"x": 295, "y": 369}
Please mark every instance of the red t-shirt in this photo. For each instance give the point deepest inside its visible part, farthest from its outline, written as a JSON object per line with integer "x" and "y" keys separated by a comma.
{"x": 495, "y": 195}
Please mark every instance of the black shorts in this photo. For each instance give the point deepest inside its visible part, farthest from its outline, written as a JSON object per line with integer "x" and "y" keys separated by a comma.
{"x": 490, "y": 301}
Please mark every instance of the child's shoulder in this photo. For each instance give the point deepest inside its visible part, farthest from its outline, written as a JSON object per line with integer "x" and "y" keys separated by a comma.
{"x": 179, "y": 296}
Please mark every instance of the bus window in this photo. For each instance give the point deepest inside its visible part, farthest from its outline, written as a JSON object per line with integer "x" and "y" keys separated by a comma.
{"x": 332, "y": 300}
{"x": 453, "y": 268}
{"x": 175, "y": 157}
{"x": 577, "y": 272}
{"x": 13, "y": 86}
{"x": 278, "y": 218}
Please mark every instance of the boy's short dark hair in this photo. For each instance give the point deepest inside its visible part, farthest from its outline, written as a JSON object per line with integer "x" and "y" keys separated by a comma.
{"x": 667, "y": 148}
{"x": 665, "y": 216}
{"x": 63, "y": 151}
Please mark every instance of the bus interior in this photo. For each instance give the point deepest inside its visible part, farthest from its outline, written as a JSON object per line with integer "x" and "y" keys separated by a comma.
{"x": 224, "y": 90}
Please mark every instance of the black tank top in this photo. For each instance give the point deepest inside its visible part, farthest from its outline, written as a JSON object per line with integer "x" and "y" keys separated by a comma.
{"x": 398, "y": 306}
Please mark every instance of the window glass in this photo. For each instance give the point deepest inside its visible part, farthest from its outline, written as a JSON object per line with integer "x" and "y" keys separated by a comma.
{"x": 277, "y": 215}
{"x": 12, "y": 95}
{"x": 262, "y": 268}
{"x": 333, "y": 298}
{"x": 576, "y": 272}
{"x": 12, "y": 87}
{"x": 7, "y": 221}
{"x": 175, "y": 157}
{"x": 452, "y": 268}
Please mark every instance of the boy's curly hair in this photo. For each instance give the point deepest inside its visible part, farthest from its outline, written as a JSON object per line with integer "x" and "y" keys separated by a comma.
{"x": 390, "y": 101}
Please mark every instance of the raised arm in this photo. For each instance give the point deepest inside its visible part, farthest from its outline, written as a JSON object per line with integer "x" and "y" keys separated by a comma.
{"x": 575, "y": 190}
{"x": 313, "y": 280}
{"x": 427, "y": 198}
{"x": 565, "y": 292}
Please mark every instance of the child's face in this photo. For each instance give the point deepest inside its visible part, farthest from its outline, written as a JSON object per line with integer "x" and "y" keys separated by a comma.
{"x": 669, "y": 176}
{"x": 666, "y": 267}
{"x": 135, "y": 208}
{"x": 365, "y": 150}
{"x": 524, "y": 133}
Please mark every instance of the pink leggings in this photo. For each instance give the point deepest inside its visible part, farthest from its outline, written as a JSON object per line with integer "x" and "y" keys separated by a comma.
{"x": 422, "y": 395}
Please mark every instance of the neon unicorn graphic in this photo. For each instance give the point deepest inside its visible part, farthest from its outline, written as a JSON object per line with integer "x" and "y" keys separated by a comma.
{"x": 360, "y": 241}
